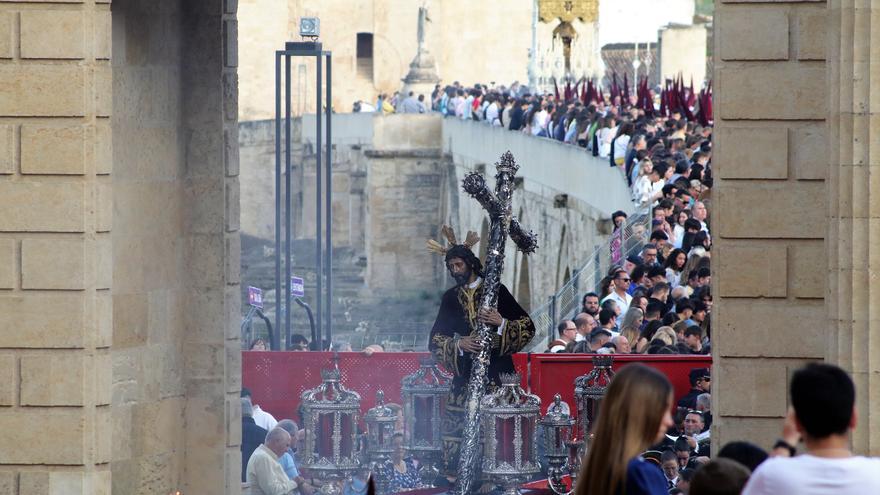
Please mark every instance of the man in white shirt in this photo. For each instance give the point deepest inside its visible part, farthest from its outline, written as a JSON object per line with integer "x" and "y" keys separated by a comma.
{"x": 261, "y": 417}
{"x": 492, "y": 112}
{"x": 823, "y": 413}
{"x": 699, "y": 213}
{"x": 264, "y": 472}
{"x": 619, "y": 285}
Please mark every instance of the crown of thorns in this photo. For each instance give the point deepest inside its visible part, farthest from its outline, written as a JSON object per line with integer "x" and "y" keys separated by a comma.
{"x": 435, "y": 247}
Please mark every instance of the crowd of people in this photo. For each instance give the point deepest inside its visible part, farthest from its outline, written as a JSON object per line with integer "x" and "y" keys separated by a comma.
{"x": 657, "y": 301}
{"x": 630, "y": 450}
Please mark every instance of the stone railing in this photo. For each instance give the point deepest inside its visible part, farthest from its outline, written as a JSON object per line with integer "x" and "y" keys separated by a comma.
{"x": 558, "y": 166}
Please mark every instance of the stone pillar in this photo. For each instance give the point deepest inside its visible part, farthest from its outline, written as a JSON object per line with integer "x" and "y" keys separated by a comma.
{"x": 769, "y": 212}
{"x": 55, "y": 269}
{"x": 854, "y": 208}
{"x": 212, "y": 246}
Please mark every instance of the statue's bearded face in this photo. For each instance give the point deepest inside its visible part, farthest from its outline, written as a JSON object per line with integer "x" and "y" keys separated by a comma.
{"x": 459, "y": 270}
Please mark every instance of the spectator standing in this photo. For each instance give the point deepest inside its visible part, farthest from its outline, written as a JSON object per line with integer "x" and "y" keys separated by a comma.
{"x": 619, "y": 285}
{"x": 701, "y": 382}
{"x": 823, "y": 413}
{"x": 720, "y": 477}
{"x": 566, "y": 335}
{"x": 585, "y": 324}
{"x": 410, "y": 104}
{"x": 622, "y": 432}
{"x": 590, "y": 304}
{"x": 261, "y": 417}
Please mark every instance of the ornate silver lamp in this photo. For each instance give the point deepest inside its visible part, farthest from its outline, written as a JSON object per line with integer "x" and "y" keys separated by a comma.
{"x": 510, "y": 442}
{"x": 424, "y": 395}
{"x": 589, "y": 390}
{"x": 558, "y": 427}
{"x": 380, "y": 431}
{"x": 330, "y": 415}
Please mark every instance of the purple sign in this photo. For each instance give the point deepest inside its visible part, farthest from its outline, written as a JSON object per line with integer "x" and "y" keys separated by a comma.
{"x": 297, "y": 287}
{"x": 616, "y": 244}
{"x": 255, "y": 297}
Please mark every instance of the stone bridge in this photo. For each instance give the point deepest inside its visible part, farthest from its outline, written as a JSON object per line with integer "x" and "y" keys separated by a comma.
{"x": 397, "y": 179}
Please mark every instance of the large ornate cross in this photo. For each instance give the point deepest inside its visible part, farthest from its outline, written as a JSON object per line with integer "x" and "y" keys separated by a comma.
{"x": 501, "y": 226}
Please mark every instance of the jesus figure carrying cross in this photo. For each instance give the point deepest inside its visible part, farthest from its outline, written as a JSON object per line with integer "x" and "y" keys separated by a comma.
{"x": 479, "y": 324}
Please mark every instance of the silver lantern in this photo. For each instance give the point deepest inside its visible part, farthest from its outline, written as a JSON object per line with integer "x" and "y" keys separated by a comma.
{"x": 589, "y": 390}
{"x": 424, "y": 397}
{"x": 380, "y": 422}
{"x": 330, "y": 415}
{"x": 558, "y": 426}
{"x": 510, "y": 441}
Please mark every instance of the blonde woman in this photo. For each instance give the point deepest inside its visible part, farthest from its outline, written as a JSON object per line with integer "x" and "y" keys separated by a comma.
{"x": 666, "y": 335}
{"x": 641, "y": 188}
{"x": 622, "y": 432}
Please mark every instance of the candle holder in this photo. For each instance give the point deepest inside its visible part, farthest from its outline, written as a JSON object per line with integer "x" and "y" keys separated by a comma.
{"x": 424, "y": 398}
{"x": 589, "y": 390}
{"x": 558, "y": 427}
{"x": 510, "y": 450}
{"x": 380, "y": 431}
{"x": 330, "y": 417}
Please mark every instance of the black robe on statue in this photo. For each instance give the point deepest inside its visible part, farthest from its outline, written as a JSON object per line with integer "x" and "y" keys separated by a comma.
{"x": 458, "y": 315}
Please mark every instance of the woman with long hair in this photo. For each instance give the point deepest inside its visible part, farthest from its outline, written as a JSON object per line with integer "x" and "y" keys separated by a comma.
{"x": 641, "y": 188}
{"x": 635, "y": 414}
{"x": 606, "y": 134}
{"x": 620, "y": 144}
{"x": 633, "y": 318}
{"x": 693, "y": 263}
{"x": 674, "y": 265}
{"x": 605, "y": 287}
{"x": 647, "y": 336}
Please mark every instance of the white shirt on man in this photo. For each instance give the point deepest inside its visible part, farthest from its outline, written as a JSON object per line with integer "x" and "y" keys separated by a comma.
{"x": 811, "y": 475}
{"x": 492, "y": 114}
{"x": 265, "y": 474}
{"x": 264, "y": 419}
{"x": 622, "y": 302}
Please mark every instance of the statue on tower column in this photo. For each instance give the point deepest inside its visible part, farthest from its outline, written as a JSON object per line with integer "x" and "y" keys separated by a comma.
{"x": 422, "y": 74}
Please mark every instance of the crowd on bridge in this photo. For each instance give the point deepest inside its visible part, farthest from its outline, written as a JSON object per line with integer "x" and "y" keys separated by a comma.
{"x": 655, "y": 299}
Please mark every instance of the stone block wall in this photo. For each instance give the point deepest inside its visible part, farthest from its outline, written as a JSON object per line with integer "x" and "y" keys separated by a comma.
{"x": 55, "y": 268}
{"x": 854, "y": 197}
{"x": 769, "y": 218}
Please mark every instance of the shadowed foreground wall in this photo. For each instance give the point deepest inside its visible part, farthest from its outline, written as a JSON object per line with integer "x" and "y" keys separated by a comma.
{"x": 175, "y": 351}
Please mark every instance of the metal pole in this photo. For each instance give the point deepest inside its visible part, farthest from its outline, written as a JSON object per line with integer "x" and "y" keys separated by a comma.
{"x": 287, "y": 195}
{"x": 318, "y": 247}
{"x": 277, "y": 191}
{"x": 328, "y": 206}
{"x": 533, "y": 49}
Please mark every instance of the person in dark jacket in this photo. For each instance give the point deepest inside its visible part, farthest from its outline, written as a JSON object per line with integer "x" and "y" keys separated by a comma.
{"x": 516, "y": 115}
{"x": 701, "y": 383}
{"x": 252, "y": 436}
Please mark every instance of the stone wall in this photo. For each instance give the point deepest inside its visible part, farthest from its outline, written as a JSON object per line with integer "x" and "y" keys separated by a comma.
{"x": 853, "y": 198}
{"x": 769, "y": 220}
{"x": 55, "y": 244}
{"x": 149, "y": 385}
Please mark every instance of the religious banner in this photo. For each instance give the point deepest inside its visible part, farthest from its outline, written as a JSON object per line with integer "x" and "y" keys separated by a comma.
{"x": 568, "y": 10}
